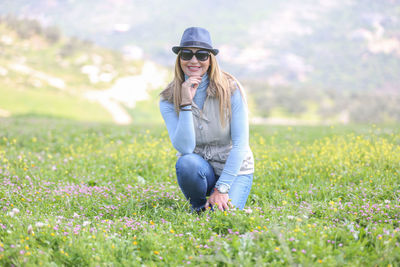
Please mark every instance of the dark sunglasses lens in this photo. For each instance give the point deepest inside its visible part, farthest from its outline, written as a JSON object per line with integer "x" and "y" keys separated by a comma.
{"x": 202, "y": 55}
{"x": 186, "y": 54}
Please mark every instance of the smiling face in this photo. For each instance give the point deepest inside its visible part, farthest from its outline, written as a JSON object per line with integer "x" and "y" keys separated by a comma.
{"x": 194, "y": 67}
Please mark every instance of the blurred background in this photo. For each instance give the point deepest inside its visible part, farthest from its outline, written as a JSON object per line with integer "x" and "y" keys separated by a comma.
{"x": 301, "y": 61}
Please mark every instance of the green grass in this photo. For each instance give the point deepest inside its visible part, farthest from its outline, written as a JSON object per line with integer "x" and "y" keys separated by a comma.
{"x": 48, "y": 102}
{"x": 81, "y": 194}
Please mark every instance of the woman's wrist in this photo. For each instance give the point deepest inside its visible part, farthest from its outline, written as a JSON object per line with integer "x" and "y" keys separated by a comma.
{"x": 222, "y": 188}
{"x": 216, "y": 191}
{"x": 186, "y": 108}
{"x": 186, "y": 98}
{"x": 185, "y": 105}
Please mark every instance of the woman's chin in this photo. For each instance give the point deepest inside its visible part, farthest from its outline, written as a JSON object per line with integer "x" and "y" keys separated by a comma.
{"x": 194, "y": 73}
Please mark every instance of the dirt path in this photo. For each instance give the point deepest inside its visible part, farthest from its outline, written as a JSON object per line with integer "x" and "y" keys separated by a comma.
{"x": 126, "y": 91}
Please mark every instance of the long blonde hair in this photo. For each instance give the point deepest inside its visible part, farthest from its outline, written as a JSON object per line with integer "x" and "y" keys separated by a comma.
{"x": 223, "y": 82}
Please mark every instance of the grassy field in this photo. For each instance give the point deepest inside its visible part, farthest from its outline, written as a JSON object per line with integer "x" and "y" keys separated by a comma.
{"x": 78, "y": 194}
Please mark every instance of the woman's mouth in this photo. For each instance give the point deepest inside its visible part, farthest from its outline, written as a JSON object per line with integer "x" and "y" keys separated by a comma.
{"x": 193, "y": 68}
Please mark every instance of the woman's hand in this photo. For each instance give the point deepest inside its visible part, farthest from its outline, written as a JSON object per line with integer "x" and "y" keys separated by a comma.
{"x": 220, "y": 200}
{"x": 189, "y": 88}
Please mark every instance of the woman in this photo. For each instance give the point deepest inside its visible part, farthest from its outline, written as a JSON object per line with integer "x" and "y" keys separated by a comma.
{"x": 205, "y": 112}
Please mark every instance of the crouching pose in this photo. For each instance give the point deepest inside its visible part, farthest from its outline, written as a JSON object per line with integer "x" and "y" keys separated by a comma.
{"x": 205, "y": 111}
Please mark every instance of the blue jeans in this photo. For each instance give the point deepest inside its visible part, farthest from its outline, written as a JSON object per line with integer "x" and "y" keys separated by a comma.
{"x": 196, "y": 178}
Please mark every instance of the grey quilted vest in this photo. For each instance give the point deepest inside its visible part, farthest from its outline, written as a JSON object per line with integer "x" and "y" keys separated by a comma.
{"x": 214, "y": 142}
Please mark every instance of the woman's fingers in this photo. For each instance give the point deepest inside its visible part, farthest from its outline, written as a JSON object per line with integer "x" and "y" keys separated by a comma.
{"x": 221, "y": 205}
{"x": 194, "y": 81}
{"x": 230, "y": 203}
{"x": 189, "y": 88}
{"x": 225, "y": 206}
{"x": 221, "y": 201}
{"x": 195, "y": 78}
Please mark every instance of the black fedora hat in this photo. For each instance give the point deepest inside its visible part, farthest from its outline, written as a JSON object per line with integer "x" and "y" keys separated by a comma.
{"x": 196, "y": 37}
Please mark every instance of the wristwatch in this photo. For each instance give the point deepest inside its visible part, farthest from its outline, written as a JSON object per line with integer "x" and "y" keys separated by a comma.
{"x": 223, "y": 188}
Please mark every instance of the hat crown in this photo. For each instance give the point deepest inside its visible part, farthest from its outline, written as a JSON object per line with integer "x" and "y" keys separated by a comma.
{"x": 196, "y": 34}
{"x": 196, "y": 37}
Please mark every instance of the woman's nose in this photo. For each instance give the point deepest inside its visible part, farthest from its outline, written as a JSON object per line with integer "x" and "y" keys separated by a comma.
{"x": 194, "y": 59}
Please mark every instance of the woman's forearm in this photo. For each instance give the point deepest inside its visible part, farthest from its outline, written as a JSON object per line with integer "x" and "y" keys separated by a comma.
{"x": 180, "y": 128}
{"x": 240, "y": 139}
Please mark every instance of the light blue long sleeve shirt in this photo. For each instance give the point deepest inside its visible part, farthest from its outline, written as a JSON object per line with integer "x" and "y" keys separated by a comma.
{"x": 182, "y": 134}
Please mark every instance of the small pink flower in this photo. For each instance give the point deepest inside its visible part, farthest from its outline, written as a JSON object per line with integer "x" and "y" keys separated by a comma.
{"x": 248, "y": 210}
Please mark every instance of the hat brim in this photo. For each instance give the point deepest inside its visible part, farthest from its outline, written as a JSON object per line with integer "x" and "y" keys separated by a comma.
{"x": 176, "y": 49}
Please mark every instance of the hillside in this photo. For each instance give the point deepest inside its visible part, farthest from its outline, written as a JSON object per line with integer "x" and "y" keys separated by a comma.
{"x": 341, "y": 45}
{"x": 50, "y": 74}
{"x": 44, "y": 73}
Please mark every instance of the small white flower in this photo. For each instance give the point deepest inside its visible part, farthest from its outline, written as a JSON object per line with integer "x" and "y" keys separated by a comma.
{"x": 290, "y": 217}
{"x": 248, "y": 211}
{"x": 39, "y": 224}
{"x": 140, "y": 180}
{"x": 387, "y": 201}
{"x": 86, "y": 223}
{"x": 76, "y": 215}
{"x": 13, "y": 212}
{"x": 30, "y": 230}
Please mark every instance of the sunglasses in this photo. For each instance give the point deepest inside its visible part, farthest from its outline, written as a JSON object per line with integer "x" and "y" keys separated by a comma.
{"x": 201, "y": 55}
